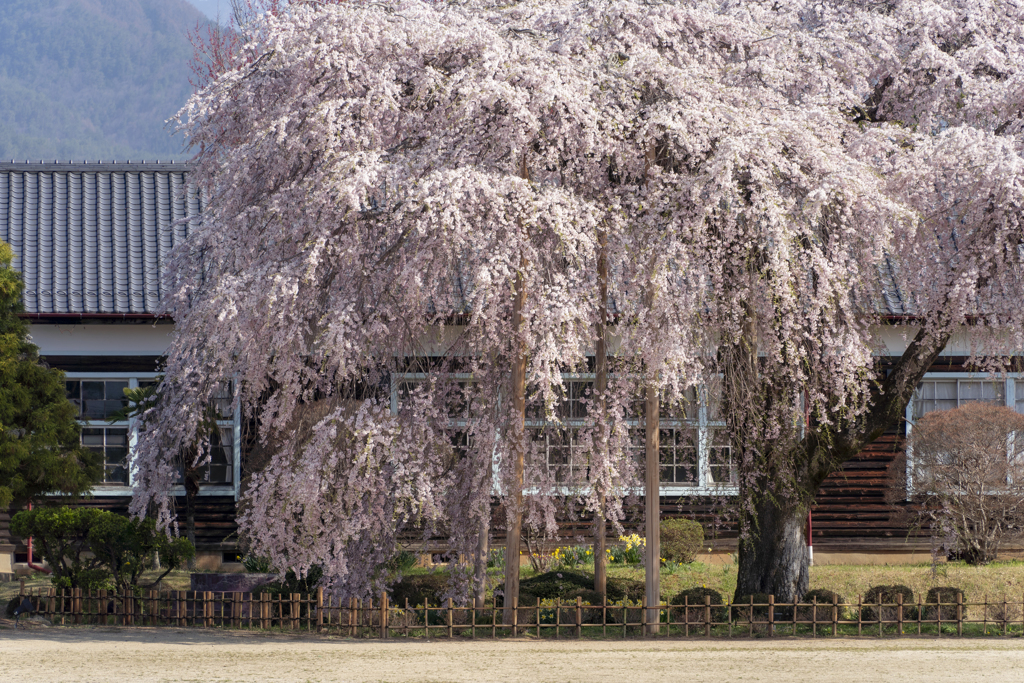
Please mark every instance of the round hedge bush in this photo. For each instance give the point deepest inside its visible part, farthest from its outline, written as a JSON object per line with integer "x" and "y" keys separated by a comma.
{"x": 693, "y": 599}
{"x": 419, "y": 589}
{"x": 888, "y": 596}
{"x": 681, "y": 540}
{"x": 825, "y": 599}
{"x": 947, "y": 595}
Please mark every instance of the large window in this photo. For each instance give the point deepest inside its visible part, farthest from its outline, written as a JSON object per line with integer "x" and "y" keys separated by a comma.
{"x": 946, "y": 394}
{"x": 695, "y": 457}
{"x": 946, "y": 391}
{"x": 99, "y": 401}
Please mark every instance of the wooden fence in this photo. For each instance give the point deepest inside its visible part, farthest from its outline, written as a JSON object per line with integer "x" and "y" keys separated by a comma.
{"x": 369, "y": 619}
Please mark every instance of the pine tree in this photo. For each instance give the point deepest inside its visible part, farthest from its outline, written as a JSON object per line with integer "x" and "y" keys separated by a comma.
{"x": 40, "y": 448}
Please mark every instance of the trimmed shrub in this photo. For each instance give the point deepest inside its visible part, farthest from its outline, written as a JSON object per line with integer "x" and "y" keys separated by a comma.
{"x": 947, "y": 596}
{"x": 620, "y": 588}
{"x": 694, "y": 598}
{"x": 681, "y": 540}
{"x": 823, "y": 613}
{"x": 887, "y": 595}
{"x": 566, "y": 585}
{"x": 741, "y": 610}
{"x": 420, "y": 589}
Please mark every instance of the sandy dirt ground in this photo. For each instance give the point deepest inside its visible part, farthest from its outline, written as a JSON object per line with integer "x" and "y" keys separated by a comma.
{"x": 71, "y": 655}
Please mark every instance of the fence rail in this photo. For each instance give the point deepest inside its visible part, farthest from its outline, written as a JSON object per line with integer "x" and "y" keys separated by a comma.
{"x": 356, "y": 618}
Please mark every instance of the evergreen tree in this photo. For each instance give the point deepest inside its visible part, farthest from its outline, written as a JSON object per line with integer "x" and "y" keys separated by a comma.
{"x": 40, "y": 449}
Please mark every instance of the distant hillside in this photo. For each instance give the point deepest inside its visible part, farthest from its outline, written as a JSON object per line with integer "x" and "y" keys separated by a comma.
{"x": 93, "y": 79}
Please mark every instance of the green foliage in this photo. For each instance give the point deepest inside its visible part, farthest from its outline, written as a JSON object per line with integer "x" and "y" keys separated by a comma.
{"x": 403, "y": 561}
{"x": 695, "y": 596}
{"x": 255, "y": 564}
{"x": 419, "y": 590}
{"x": 127, "y": 547}
{"x": 632, "y": 552}
{"x": 571, "y": 557}
{"x": 496, "y": 558}
{"x": 566, "y": 585}
{"x": 681, "y": 540}
{"x": 947, "y": 595}
{"x": 61, "y": 535}
{"x": 887, "y": 595}
{"x": 40, "y": 449}
{"x": 823, "y": 612}
{"x": 81, "y": 79}
{"x": 293, "y": 583}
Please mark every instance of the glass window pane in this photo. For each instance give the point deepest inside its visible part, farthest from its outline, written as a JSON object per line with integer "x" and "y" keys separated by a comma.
{"x": 1019, "y": 395}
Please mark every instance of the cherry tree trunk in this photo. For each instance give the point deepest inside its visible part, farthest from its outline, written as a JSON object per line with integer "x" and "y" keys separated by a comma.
{"x": 514, "y": 501}
{"x": 480, "y": 568}
{"x": 601, "y": 386}
{"x": 773, "y": 559}
{"x": 652, "y": 504}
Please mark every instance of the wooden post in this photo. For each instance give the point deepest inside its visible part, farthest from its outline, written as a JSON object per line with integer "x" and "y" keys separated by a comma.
{"x": 899, "y": 613}
{"x": 451, "y": 633}
{"x": 959, "y": 613}
{"x": 515, "y": 615}
{"x": 320, "y": 609}
{"x": 296, "y": 609}
{"x": 707, "y": 616}
{"x": 652, "y": 496}
{"x": 835, "y": 614}
{"x": 384, "y": 614}
{"x": 514, "y": 501}
{"x": 579, "y": 617}
{"x": 601, "y": 388}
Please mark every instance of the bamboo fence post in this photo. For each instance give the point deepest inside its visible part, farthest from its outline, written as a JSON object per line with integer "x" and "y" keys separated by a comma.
{"x": 686, "y": 616}
{"x": 835, "y": 614}
{"x": 295, "y": 609}
{"x": 707, "y": 616}
{"x": 579, "y": 617}
{"x": 771, "y": 614}
{"x": 750, "y": 618}
{"x": 880, "y": 620}
{"x": 860, "y": 612}
{"x": 920, "y": 613}
{"x": 405, "y": 617}
{"x": 558, "y": 617}
{"x": 1006, "y": 619}
{"x": 319, "y": 609}
{"x": 494, "y": 616}
{"x": 985, "y": 617}
{"x": 384, "y": 614}
{"x": 368, "y": 615}
{"x": 604, "y": 615}
{"x": 643, "y": 617}
{"x": 814, "y": 617}
{"x": 899, "y": 613}
{"x": 351, "y": 617}
{"x": 77, "y": 606}
{"x": 451, "y": 633}
{"x": 515, "y": 615}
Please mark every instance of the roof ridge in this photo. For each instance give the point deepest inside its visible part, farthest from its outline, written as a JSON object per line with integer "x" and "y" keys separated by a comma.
{"x": 93, "y": 166}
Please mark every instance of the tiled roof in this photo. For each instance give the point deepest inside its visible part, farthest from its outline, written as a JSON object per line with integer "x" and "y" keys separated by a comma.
{"x": 93, "y": 238}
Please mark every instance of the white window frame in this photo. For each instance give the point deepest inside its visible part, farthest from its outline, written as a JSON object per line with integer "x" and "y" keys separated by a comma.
{"x": 133, "y": 379}
{"x": 703, "y": 425}
{"x": 1010, "y": 380}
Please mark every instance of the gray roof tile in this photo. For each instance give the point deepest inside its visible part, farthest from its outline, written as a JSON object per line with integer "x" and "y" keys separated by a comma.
{"x": 93, "y": 238}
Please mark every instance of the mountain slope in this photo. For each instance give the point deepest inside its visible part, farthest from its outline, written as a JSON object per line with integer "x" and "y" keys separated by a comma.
{"x": 93, "y": 79}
